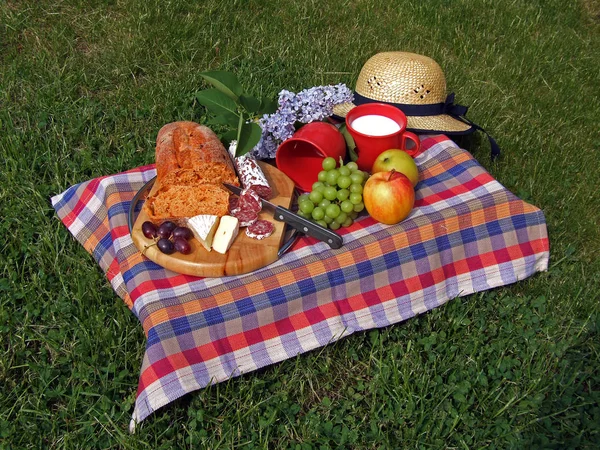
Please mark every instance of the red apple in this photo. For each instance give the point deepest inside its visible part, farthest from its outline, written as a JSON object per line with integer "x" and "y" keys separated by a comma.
{"x": 388, "y": 196}
{"x": 398, "y": 160}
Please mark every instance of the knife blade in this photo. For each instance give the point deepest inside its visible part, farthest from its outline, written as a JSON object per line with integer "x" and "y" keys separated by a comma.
{"x": 301, "y": 224}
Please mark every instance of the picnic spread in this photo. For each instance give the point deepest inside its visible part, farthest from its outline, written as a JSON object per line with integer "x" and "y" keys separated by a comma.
{"x": 229, "y": 267}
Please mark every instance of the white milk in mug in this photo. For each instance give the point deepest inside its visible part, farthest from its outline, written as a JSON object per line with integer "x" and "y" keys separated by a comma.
{"x": 375, "y": 125}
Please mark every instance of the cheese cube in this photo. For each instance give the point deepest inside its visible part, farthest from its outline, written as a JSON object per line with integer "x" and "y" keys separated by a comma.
{"x": 225, "y": 234}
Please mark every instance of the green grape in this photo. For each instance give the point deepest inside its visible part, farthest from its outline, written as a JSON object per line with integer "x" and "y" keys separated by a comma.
{"x": 344, "y": 181}
{"x": 322, "y": 176}
{"x": 352, "y": 166}
{"x": 322, "y": 223}
{"x": 329, "y": 163}
{"x": 347, "y": 206}
{"x": 353, "y": 215}
{"x": 356, "y": 188}
{"x": 302, "y": 198}
{"x": 357, "y": 177}
{"x": 307, "y": 207}
{"x": 318, "y": 213}
{"x": 359, "y": 207}
{"x": 343, "y": 194}
{"x": 315, "y": 197}
{"x": 332, "y": 177}
{"x": 342, "y": 216}
{"x": 355, "y": 198}
{"x": 324, "y": 203}
{"x": 303, "y": 214}
{"x": 347, "y": 222}
{"x": 335, "y": 225}
{"x": 344, "y": 171}
{"x": 327, "y": 219}
{"x": 318, "y": 186}
{"x": 332, "y": 210}
{"x": 330, "y": 193}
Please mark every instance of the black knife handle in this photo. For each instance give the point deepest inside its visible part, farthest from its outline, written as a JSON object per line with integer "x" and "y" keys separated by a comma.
{"x": 305, "y": 226}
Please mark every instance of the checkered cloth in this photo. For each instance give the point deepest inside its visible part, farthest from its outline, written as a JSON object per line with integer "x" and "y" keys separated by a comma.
{"x": 467, "y": 233}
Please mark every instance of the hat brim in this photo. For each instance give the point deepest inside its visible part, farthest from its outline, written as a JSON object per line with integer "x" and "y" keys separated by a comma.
{"x": 439, "y": 123}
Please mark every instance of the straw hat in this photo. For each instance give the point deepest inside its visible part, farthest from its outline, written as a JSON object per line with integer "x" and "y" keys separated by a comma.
{"x": 415, "y": 84}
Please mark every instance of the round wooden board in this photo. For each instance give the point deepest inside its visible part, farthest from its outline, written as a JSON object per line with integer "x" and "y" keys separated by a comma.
{"x": 245, "y": 255}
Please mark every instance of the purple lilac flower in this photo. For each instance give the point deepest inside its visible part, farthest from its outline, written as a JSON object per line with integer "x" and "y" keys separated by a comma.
{"x": 317, "y": 103}
{"x": 280, "y": 125}
{"x": 288, "y": 103}
{"x": 307, "y": 106}
{"x": 266, "y": 147}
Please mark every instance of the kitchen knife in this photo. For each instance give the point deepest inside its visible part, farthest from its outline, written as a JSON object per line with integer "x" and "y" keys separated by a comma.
{"x": 301, "y": 224}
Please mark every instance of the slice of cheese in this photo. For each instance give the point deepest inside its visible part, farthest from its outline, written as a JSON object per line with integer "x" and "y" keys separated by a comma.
{"x": 225, "y": 234}
{"x": 204, "y": 227}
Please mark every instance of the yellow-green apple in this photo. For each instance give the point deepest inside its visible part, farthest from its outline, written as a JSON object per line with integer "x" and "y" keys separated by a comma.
{"x": 388, "y": 196}
{"x": 398, "y": 160}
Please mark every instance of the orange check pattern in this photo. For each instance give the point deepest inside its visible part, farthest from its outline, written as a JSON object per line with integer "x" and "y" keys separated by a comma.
{"x": 466, "y": 234}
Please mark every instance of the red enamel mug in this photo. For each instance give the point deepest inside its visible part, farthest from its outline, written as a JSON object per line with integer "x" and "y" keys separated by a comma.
{"x": 377, "y": 127}
{"x": 301, "y": 156}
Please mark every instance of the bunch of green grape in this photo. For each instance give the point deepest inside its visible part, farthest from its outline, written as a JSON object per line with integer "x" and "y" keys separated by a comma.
{"x": 336, "y": 198}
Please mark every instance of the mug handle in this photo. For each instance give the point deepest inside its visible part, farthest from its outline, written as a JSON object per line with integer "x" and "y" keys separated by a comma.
{"x": 413, "y": 137}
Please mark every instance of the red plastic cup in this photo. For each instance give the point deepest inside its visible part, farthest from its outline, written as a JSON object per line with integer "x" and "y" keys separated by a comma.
{"x": 368, "y": 146}
{"x": 301, "y": 156}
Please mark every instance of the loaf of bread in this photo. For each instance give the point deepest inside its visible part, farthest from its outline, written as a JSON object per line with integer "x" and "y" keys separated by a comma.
{"x": 191, "y": 164}
{"x": 191, "y": 154}
{"x": 178, "y": 202}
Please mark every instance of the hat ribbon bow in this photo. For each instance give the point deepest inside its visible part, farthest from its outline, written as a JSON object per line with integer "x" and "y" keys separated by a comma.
{"x": 435, "y": 109}
{"x": 459, "y": 112}
{"x": 431, "y": 109}
{"x": 452, "y": 109}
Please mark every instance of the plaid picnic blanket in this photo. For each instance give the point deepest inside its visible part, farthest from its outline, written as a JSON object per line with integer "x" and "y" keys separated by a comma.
{"x": 467, "y": 233}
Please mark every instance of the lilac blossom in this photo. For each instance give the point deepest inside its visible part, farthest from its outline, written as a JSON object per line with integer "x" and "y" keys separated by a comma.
{"x": 306, "y": 106}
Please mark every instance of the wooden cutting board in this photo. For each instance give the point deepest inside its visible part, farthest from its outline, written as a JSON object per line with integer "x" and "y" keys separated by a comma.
{"x": 245, "y": 255}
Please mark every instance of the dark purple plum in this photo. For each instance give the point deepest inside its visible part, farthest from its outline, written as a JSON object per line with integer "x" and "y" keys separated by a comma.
{"x": 149, "y": 229}
{"x": 165, "y": 246}
{"x": 166, "y": 229}
{"x": 183, "y": 232}
{"x": 182, "y": 246}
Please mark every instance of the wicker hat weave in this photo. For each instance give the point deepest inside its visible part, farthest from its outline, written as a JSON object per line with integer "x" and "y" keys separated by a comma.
{"x": 414, "y": 83}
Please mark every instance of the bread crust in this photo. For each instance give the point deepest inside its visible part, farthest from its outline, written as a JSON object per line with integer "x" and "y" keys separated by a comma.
{"x": 190, "y": 153}
{"x": 191, "y": 165}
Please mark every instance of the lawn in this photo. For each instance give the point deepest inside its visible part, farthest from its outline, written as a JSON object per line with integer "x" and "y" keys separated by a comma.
{"x": 84, "y": 88}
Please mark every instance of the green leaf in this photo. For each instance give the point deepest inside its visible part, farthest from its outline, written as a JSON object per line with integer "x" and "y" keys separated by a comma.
{"x": 217, "y": 102}
{"x": 267, "y": 106}
{"x": 252, "y": 104}
{"x": 225, "y": 82}
{"x": 230, "y": 135}
{"x": 228, "y": 119}
{"x": 353, "y": 154}
{"x": 248, "y": 136}
{"x": 349, "y": 142}
{"x": 239, "y": 128}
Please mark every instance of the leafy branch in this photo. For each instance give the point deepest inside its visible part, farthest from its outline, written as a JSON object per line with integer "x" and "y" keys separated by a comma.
{"x": 233, "y": 109}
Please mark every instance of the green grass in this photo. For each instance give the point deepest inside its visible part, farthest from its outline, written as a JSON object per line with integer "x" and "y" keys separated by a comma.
{"x": 83, "y": 91}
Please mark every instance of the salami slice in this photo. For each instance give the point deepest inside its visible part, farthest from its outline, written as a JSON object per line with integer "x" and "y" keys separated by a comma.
{"x": 249, "y": 201}
{"x": 262, "y": 190}
{"x": 233, "y": 204}
{"x": 250, "y": 174}
{"x": 261, "y": 229}
{"x": 246, "y": 217}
